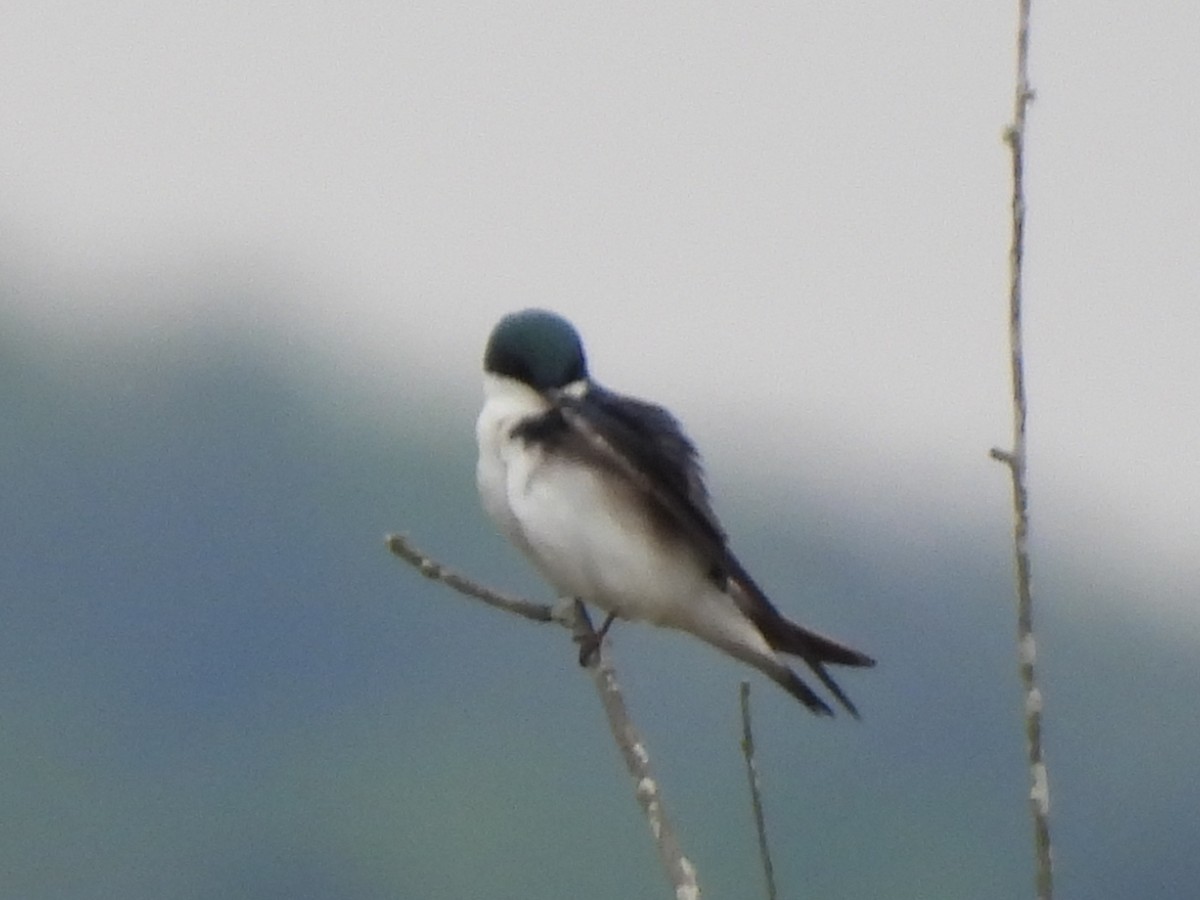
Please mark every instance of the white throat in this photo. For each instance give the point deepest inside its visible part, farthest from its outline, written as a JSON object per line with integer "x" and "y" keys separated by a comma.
{"x": 514, "y": 397}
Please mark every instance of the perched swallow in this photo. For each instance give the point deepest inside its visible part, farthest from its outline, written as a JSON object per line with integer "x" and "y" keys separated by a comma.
{"x": 605, "y": 495}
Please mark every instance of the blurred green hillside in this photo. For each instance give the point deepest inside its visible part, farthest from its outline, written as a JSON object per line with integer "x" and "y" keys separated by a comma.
{"x": 215, "y": 682}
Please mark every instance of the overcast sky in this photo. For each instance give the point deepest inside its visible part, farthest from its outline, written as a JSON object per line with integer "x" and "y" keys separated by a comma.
{"x": 791, "y": 216}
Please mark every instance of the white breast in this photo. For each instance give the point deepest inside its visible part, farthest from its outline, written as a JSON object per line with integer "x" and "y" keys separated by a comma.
{"x": 506, "y": 403}
{"x": 578, "y": 526}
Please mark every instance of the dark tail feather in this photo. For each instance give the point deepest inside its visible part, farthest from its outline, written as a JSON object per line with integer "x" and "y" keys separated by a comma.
{"x": 799, "y": 641}
{"x": 790, "y": 682}
{"x": 773, "y": 667}
{"x": 816, "y": 650}
{"x": 833, "y": 686}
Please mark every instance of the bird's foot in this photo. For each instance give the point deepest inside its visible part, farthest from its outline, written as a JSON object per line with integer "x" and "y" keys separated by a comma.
{"x": 589, "y": 644}
{"x": 589, "y": 648}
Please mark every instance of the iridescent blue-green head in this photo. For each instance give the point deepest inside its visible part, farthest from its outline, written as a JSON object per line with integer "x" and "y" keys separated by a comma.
{"x": 536, "y": 347}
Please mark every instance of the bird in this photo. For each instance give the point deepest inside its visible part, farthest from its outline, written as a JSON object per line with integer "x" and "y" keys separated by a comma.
{"x": 605, "y": 495}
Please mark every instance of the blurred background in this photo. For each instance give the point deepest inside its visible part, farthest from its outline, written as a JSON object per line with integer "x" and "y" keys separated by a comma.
{"x": 249, "y": 256}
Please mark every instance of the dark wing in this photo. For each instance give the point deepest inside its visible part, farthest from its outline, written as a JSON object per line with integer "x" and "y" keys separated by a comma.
{"x": 645, "y": 443}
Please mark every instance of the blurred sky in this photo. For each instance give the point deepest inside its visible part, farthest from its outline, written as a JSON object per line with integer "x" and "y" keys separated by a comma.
{"x": 791, "y": 217}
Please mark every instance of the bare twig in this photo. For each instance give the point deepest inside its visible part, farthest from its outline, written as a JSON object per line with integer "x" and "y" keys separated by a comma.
{"x": 1015, "y": 460}
{"x": 400, "y": 546}
{"x": 573, "y": 616}
{"x": 678, "y": 867}
{"x": 760, "y": 823}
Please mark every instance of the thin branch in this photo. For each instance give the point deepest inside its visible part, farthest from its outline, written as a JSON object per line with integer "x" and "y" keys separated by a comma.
{"x": 1015, "y": 460}
{"x": 430, "y": 568}
{"x": 760, "y": 823}
{"x": 573, "y": 616}
{"x": 679, "y": 869}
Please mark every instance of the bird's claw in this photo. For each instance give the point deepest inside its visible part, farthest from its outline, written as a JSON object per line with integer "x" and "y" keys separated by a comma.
{"x": 589, "y": 648}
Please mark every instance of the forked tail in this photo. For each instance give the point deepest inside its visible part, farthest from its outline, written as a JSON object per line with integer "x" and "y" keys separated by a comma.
{"x": 816, "y": 650}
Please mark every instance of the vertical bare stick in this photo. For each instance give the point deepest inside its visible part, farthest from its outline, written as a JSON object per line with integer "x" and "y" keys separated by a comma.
{"x": 760, "y": 822}
{"x": 678, "y": 868}
{"x": 1039, "y": 794}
